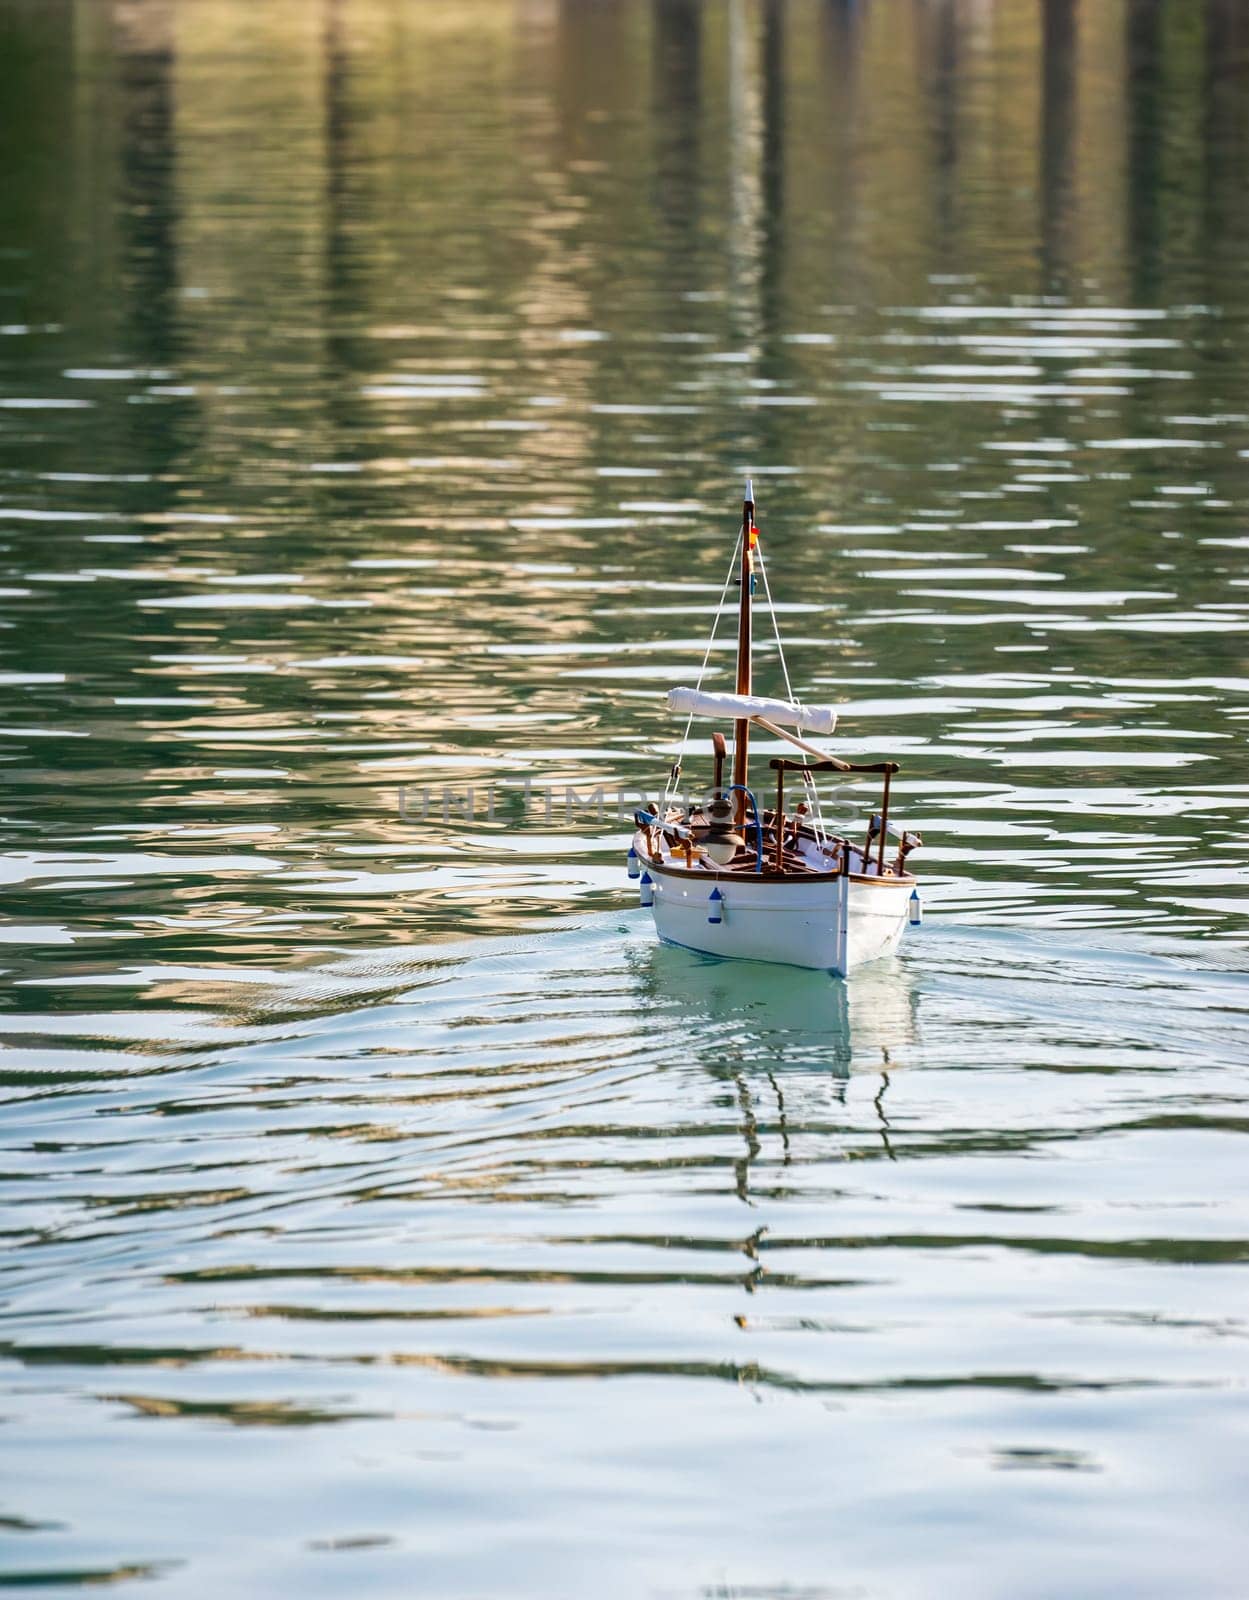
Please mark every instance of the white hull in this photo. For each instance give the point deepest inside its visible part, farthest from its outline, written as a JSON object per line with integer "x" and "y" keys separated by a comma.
{"x": 798, "y": 924}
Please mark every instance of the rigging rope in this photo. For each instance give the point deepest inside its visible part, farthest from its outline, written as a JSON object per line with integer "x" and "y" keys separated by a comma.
{"x": 807, "y": 777}
{"x": 675, "y": 774}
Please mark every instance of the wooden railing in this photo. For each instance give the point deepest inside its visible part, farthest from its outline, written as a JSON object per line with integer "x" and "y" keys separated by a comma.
{"x": 781, "y": 765}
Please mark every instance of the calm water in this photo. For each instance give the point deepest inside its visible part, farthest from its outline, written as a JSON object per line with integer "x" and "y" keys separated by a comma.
{"x": 385, "y": 1213}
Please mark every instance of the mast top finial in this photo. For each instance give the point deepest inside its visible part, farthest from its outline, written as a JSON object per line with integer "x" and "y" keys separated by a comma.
{"x": 750, "y": 492}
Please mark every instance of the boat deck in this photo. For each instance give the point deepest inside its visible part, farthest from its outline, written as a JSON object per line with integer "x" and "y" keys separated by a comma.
{"x": 804, "y": 855}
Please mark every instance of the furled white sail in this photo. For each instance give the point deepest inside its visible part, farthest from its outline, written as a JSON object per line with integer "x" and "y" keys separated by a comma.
{"x": 698, "y": 703}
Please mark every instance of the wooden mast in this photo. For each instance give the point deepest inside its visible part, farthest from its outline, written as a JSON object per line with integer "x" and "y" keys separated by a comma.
{"x": 741, "y": 728}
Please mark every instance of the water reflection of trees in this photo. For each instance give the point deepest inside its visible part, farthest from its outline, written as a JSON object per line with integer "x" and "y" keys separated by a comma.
{"x": 871, "y": 136}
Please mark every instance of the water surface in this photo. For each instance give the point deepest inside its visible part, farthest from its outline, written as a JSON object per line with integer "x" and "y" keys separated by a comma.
{"x": 386, "y": 1213}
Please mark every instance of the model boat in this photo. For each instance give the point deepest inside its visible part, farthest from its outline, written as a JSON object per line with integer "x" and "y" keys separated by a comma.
{"x": 738, "y": 878}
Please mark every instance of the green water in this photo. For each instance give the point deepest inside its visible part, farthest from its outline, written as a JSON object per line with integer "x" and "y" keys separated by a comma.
{"x": 386, "y": 1214}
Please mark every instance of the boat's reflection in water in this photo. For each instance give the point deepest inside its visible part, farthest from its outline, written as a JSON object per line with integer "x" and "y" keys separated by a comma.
{"x": 748, "y": 1013}
{"x": 785, "y": 1044}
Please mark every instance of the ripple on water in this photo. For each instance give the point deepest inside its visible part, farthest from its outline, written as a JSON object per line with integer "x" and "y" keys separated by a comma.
{"x": 314, "y": 1205}
{"x": 348, "y": 1110}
